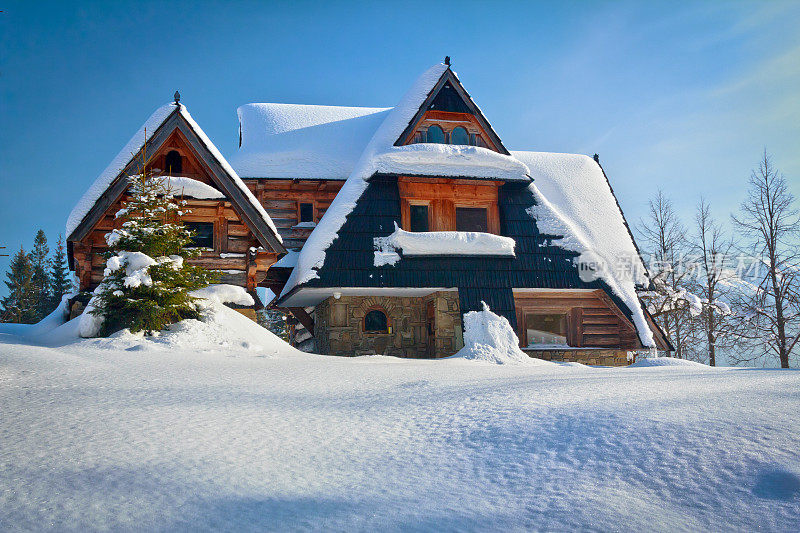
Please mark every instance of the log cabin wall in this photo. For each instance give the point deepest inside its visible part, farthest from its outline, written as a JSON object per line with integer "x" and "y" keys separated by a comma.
{"x": 593, "y": 321}
{"x": 282, "y": 200}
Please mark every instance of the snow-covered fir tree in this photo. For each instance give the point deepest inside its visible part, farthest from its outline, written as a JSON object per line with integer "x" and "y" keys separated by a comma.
{"x": 59, "y": 275}
{"x": 147, "y": 279}
{"x": 20, "y": 304}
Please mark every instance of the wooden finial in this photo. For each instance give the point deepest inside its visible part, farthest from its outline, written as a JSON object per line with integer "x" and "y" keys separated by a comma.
{"x": 177, "y": 97}
{"x": 447, "y": 60}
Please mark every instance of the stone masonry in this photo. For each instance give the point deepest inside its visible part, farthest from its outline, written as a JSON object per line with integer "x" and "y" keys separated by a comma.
{"x": 338, "y": 326}
{"x": 585, "y": 356}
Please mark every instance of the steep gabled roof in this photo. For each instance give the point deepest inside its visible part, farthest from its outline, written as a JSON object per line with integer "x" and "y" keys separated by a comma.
{"x": 112, "y": 182}
{"x": 449, "y": 81}
{"x": 381, "y": 155}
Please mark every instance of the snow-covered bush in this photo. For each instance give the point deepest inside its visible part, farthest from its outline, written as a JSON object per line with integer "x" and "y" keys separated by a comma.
{"x": 147, "y": 279}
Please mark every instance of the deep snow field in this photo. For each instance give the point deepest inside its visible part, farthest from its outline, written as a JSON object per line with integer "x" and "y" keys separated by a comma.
{"x": 229, "y": 430}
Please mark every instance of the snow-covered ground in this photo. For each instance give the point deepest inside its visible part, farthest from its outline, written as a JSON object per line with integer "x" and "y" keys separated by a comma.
{"x": 232, "y": 430}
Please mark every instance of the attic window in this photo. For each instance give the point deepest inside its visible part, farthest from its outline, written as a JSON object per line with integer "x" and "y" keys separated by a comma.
{"x": 306, "y": 212}
{"x": 435, "y": 135}
{"x": 459, "y": 136}
{"x": 173, "y": 163}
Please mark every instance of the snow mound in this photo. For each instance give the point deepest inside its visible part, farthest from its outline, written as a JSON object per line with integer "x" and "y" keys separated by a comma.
{"x": 48, "y": 323}
{"x": 224, "y": 294}
{"x": 489, "y": 337}
{"x": 219, "y": 328}
{"x": 650, "y": 362}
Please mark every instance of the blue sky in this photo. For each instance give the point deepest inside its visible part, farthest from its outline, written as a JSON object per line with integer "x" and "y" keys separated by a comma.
{"x": 676, "y": 96}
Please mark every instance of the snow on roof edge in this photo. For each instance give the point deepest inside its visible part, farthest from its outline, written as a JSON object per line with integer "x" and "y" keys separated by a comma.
{"x": 312, "y": 255}
{"x": 568, "y": 211}
{"x": 229, "y": 169}
{"x": 132, "y": 148}
{"x": 120, "y": 161}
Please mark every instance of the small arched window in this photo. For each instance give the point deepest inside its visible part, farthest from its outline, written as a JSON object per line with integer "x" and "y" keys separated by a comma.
{"x": 435, "y": 134}
{"x": 459, "y": 136}
{"x": 376, "y": 322}
{"x": 173, "y": 163}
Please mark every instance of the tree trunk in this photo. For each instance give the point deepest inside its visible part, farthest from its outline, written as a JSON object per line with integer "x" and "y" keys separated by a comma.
{"x": 712, "y": 354}
{"x": 783, "y": 353}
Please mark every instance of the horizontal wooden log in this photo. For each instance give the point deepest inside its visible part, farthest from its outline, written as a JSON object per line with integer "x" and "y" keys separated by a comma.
{"x": 241, "y": 246}
{"x": 237, "y": 230}
{"x": 612, "y": 329}
{"x": 270, "y": 203}
{"x": 234, "y": 278}
{"x": 220, "y": 263}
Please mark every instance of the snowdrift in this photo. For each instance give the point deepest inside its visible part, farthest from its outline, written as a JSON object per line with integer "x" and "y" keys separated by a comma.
{"x": 650, "y": 362}
{"x": 221, "y": 329}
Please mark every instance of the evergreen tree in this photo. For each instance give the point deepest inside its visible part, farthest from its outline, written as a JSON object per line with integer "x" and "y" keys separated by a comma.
{"x": 40, "y": 280}
{"x": 19, "y": 306}
{"x": 147, "y": 280}
{"x": 59, "y": 275}
{"x": 275, "y": 321}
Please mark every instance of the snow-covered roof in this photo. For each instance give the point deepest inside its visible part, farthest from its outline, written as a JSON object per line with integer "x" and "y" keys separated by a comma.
{"x": 574, "y": 196}
{"x": 190, "y": 188}
{"x": 451, "y": 161}
{"x": 113, "y": 169}
{"x": 132, "y": 148}
{"x": 312, "y": 256}
{"x": 294, "y": 141}
{"x": 576, "y": 201}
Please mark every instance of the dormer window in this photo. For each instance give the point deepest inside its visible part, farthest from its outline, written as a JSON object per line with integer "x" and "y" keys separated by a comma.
{"x": 173, "y": 163}
{"x": 435, "y": 135}
{"x": 472, "y": 219}
{"x": 459, "y": 135}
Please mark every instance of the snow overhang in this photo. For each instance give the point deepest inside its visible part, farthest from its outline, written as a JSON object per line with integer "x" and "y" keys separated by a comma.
{"x": 310, "y": 296}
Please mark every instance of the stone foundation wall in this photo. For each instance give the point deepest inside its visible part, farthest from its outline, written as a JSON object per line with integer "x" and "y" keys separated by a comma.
{"x": 338, "y": 326}
{"x": 587, "y": 357}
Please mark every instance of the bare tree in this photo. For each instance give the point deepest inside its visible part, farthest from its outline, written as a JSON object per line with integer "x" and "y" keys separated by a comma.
{"x": 770, "y": 219}
{"x": 664, "y": 235}
{"x": 714, "y": 283}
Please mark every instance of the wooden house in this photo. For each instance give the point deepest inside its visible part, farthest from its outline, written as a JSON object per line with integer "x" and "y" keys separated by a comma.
{"x": 378, "y": 228}
{"x": 234, "y": 232}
